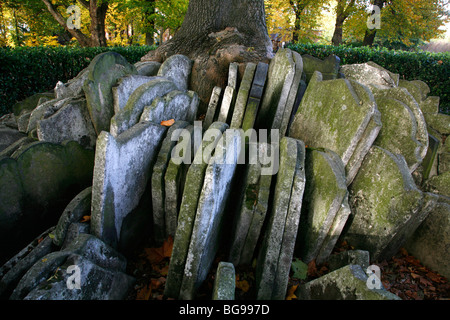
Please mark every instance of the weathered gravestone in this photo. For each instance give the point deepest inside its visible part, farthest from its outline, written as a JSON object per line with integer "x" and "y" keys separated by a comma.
{"x": 73, "y": 87}
{"x": 188, "y": 208}
{"x": 104, "y": 71}
{"x": 328, "y": 67}
{"x": 158, "y": 181}
{"x": 370, "y": 74}
{"x": 324, "y": 212}
{"x": 243, "y": 95}
{"x": 177, "y": 68}
{"x": 335, "y": 115}
{"x": 125, "y": 87}
{"x": 210, "y": 214}
{"x": 72, "y": 122}
{"x": 143, "y": 96}
{"x": 252, "y": 208}
{"x": 121, "y": 172}
{"x": 281, "y": 89}
{"x": 214, "y": 102}
{"x": 386, "y": 205}
{"x": 225, "y": 282}
{"x": 275, "y": 256}
{"x": 147, "y": 68}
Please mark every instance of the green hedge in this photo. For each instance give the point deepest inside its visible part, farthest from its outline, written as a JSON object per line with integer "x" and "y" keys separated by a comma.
{"x": 25, "y": 71}
{"x": 432, "y": 68}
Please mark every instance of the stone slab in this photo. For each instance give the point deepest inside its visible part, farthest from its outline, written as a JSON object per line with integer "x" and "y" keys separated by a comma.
{"x": 124, "y": 87}
{"x": 188, "y": 209}
{"x": 178, "y": 69}
{"x": 227, "y": 106}
{"x": 140, "y": 98}
{"x": 210, "y": 212}
{"x": 121, "y": 172}
{"x": 214, "y": 102}
{"x": 367, "y": 74}
{"x": 225, "y": 282}
{"x": 243, "y": 95}
{"x": 104, "y": 71}
{"x": 147, "y": 68}
{"x": 328, "y": 67}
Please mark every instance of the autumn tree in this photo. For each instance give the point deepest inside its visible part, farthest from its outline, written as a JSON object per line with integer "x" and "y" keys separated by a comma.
{"x": 344, "y": 9}
{"x": 214, "y": 34}
{"x": 306, "y": 13}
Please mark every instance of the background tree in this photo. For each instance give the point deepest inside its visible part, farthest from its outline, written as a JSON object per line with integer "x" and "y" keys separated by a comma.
{"x": 214, "y": 34}
{"x": 344, "y": 9}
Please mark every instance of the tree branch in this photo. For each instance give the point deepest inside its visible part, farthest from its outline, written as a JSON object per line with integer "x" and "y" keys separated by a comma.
{"x": 84, "y": 3}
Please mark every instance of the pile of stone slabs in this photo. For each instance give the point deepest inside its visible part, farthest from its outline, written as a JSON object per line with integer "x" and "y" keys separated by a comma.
{"x": 275, "y": 256}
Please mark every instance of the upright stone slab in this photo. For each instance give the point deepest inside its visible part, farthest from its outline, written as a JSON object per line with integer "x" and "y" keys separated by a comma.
{"x": 125, "y": 87}
{"x": 254, "y": 99}
{"x": 282, "y": 69}
{"x": 335, "y": 115}
{"x": 210, "y": 212}
{"x": 174, "y": 180}
{"x": 157, "y": 184}
{"x": 121, "y": 172}
{"x": 212, "y": 107}
{"x": 385, "y": 202}
{"x": 226, "y": 108}
{"x": 325, "y": 192}
{"x": 254, "y": 204}
{"x": 140, "y": 98}
{"x": 225, "y": 282}
{"x": 72, "y": 122}
{"x": 328, "y": 67}
{"x": 104, "y": 71}
{"x": 398, "y": 133}
{"x": 178, "y": 69}
{"x": 177, "y": 105}
{"x": 275, "y": 257}
{"x": 367, "y": 74}
{"x": 242, "y": 96}
{"x": 401, "y": 94}
{"x": 188, "y": 208}
{"x": 233, "y": 73}
{"x": 147, "y": 68}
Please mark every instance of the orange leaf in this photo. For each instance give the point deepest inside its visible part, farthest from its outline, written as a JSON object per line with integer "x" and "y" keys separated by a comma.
{"x": 242, "y": 285}
{"x": 290, "y": 293}
{"x": 168, "y": 247}
{"x": 168, "y": 123}
{"x": 85, "y": 219}
{"x": 156, "y": 255}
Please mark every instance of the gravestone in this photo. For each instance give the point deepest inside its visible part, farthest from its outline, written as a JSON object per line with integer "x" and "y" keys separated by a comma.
{"x": 212, "y": 107}
{"x": 335, "y": 115}
{"x": 275, "y": 256}
{"x": 386, "y": 205}
{"x": 157, "y": 180}
{"x": 255, "y": 96}
{"x": 104, "y": 71}
{"x": 233, "y": 73}
{"x": 121, "y": 172}
{"x": 210, "y": 212}
{"x": 225, "y": 282}
{"x": 143, "y": 96}
{"x": 147, "y": 68}
{"x": 186, "y": 216}
{"x": 243, "y": 95}
{"x": 328, "y": 67}
{"x": 252, "y": 209}
{"x": 177, "y": 68}
{"x": 325, "y": 193}
{"x": 125, "y": 87}
{"x": 226, "y": 108}
{"x": 43, "y": 110}
{"x": 368, "y": 75}
{"x": 177, "y": 105}
{"x": 72, "y": 122}
{"x": 73, "y": 87}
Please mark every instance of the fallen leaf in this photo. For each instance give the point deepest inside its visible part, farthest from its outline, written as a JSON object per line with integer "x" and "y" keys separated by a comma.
{"x": 242, "y": 285}
{"x": 156, "y": 255}
{"x": 290, "y": 293}
{"x": 300, "y": 269}
{"x": 85, "y": 219}
{"x": 144, "y": 293}
{"x": 168, "y": 123}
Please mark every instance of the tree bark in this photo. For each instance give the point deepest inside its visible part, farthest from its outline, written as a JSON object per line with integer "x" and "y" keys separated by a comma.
{"x": 369, "y": 36}
{"x": 98, "y": 16}
{"x": 342, "y": 13}
{"x": 215, "y": 33}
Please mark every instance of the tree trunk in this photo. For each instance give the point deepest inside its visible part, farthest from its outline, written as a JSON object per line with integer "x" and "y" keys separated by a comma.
{"x": 342, "y": 13}
{"x": 98, "y": 16}
{"x": 215, "y": 33}
{"x": 337, "y": 35}
{"x": 369, "y": 36}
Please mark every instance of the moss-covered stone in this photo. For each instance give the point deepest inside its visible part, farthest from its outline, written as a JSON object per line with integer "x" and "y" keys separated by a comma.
{"x": 328, "y": 67}
{"x": 439, "y": 184}
{"x": 243, "y": 95}
{"x": 225, "y": 282}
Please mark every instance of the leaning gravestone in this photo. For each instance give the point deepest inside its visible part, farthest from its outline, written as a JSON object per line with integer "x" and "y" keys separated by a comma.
{"x": 125, "y": 87}
{"x": 104, "y": 71}
{"x": 121, "y": 172}
{"x": 368, "y": 74}
{"x": 43, "y": 110}
{"x": 242, "y": 96}
{"x": 328, "y": 67}
{"x": 176, "y": 105}
{"x": 398, "y": 133}
{"x": 177, "y": 68}
{"x": 147, "y": 68}
{"x": 275, "y": 257}
{"x": 386, "y": 204}
{"x": 325, "y": 193}
{"x": 210, "y": 214}
{"x": 252, "y": 209}
{"x": 72, "y": 122}
{"x": 73, "y": 88}
{"x": 226, "y": 108}
{"x": 157, "y": 180}
{"x": 225, "y": 282}
{"x": 335, "y": 115}
{"x": 140, "y": 98}
{"x": 188, "y": 208}
{"x": 214, "y": 102}
{"x": 255, "y": 96}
